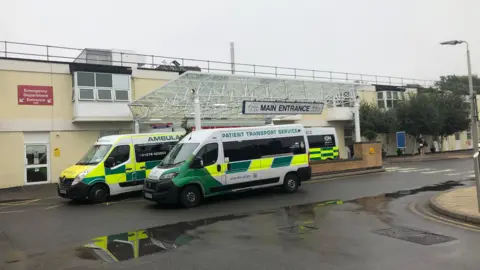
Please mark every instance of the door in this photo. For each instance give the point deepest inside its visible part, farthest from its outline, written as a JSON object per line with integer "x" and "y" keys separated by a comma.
{"x": 122, "y": 169}
{"x": 458, "y": 145}
{"x": 213, "y": 174}
{"x": 37, "y": 163}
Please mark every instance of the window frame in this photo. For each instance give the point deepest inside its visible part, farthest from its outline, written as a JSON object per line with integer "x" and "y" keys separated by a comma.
{"x": 389, "y": 99}
{"x": 203, "y": 154}
{"x": 136, "y": 153}
{"x": 322, "y": 135}
{"x": 260, "y": 146}
{"x": 115, "y": 164}
{"x": 86, "y": 99}
{"x": 104, "y": 89}
{"x": 114, "y": 89}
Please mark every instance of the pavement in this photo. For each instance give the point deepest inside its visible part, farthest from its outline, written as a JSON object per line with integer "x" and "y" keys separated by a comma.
{"x": 460, "y": 204}
{"x": 430, "y": 157}
{"x": 373, "y": 221}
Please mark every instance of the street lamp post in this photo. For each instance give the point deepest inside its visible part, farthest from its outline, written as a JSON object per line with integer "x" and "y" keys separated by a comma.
{"x": 473, "y": 116}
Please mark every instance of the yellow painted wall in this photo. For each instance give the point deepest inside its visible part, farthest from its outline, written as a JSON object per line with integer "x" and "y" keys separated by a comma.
{"x": 12, "y": 164}
{"x": 368, "y": 96}
{"x": 141, "y": 86}
{"x": 62, "y": 95}
{"x": 72, "y": 145}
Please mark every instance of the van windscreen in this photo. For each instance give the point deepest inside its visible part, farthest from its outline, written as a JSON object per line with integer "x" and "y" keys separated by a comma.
{"x": 96, "y": 154}
{"x": 179, "y": 154}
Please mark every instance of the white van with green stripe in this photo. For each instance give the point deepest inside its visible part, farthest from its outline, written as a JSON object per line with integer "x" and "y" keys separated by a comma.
{"x": 323, "y": 143}
{"x": 211, "y": 162}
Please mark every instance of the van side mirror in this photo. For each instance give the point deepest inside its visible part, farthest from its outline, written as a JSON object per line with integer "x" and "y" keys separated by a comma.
{"x": 197, "y": 163}
{"x": 109, "y": 162}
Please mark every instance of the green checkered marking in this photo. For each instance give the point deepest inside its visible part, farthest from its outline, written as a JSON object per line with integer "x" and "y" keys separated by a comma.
{"x": 237, "y": 167}
{"x": 282, "y": 161}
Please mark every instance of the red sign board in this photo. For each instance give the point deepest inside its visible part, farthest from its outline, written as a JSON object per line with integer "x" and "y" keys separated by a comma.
{"x": 35, "y": 95}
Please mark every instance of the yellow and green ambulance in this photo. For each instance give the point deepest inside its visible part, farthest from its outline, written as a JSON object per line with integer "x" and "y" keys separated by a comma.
{"x": 216, "y": 161}
{"x": 115, "y": 164}
{"x": 323, "y": 143}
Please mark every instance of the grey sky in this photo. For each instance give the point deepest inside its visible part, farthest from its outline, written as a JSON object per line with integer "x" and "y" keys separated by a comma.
{"x": 396, "y": 38}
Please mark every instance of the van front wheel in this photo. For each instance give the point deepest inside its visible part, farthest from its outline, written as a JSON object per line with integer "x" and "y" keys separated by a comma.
{"x": 290, "y": 183}
{"x": 190, "y": 196}
{"x": 98, "y": 193}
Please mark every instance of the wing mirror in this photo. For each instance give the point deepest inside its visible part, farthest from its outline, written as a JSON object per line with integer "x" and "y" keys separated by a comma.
{"x": 197, "y": 163}
{"x": 109, "y": 162}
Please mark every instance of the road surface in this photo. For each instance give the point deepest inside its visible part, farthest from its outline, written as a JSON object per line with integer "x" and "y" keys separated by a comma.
{"x": 377, "y": 221}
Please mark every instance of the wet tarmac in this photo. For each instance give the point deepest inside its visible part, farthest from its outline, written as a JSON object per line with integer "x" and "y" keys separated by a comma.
{"x": 287, "y": 225}
{"x": 365, "y": 232}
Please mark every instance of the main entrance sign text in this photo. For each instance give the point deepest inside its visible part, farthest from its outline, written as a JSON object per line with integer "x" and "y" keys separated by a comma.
{"x": 282, "y": 108}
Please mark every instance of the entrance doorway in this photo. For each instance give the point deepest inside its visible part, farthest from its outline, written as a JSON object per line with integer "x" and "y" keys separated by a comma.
{"x": 37, "y": 163}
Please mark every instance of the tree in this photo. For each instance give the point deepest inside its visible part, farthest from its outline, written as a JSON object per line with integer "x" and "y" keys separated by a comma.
{"x": 186, "y": 127}
{"x": 375, "y": 121}
{"x": 457, "y": 84}
{"x": 439, "y": 114}
{"x": 456, "y": 114}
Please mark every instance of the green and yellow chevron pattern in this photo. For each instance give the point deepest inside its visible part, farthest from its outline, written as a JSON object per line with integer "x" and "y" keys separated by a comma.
{"x": 324, "y": 153}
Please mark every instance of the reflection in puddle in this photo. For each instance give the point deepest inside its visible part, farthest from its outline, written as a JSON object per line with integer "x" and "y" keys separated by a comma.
{"x": 291, "y": 223}
{"x": 130, "y": 245}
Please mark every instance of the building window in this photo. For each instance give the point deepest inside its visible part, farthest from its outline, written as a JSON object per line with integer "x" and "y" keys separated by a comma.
{"x": 389, "y": 99}
{"x": 102, "y": 86}
{"x": 86, "y": 94}
{"x": 457, "y": 136}
{"x": 469, "y": 134}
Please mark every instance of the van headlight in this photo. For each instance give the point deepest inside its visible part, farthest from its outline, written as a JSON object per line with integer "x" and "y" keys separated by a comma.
{"x": 168, "y": 176}
{"x": 80, "y": 177}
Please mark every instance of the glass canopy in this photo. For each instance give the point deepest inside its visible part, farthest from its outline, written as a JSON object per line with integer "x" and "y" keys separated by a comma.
{"x": 221, "y": 96}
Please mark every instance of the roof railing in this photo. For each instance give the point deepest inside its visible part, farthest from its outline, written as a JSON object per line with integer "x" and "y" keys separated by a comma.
{"x": 40, "y": 52}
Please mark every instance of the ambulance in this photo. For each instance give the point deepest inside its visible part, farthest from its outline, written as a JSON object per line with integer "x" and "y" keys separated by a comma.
{"x": 114, "y": 165}
{"x": 211, "y": 162}
{"x": 322, "y": 142}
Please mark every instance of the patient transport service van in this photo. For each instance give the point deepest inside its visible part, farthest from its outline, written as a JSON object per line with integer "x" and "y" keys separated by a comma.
{"x": 115, "y": 164}
{"x": 323, "y": 143}
{"x": 216, "y": 161}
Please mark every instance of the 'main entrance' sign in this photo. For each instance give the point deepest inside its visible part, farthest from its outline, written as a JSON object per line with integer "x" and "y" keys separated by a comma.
{"x": 281, "y": 107}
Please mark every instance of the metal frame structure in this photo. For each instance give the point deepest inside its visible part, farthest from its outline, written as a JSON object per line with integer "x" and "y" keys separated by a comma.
{"x": 221, "y": 96}
{"x": 20, "y": 50}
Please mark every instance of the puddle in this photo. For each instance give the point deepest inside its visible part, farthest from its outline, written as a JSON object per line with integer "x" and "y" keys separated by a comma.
{"x": 438, "y": 187}
{"x": 134, "y": 244}
{"x": 288, "y": 223}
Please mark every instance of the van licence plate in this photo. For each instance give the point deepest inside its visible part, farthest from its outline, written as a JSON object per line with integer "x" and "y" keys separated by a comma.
{"x": 63, "y": 191}
{"x": 148, "y": 195}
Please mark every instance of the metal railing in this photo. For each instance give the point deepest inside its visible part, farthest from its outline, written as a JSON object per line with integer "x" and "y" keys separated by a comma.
{"x": 66, "y": 54}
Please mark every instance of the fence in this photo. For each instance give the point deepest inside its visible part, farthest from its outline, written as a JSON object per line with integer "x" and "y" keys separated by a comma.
{"x": 127, "y": 58}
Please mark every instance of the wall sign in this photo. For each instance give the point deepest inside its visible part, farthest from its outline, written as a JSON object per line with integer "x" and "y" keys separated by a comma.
{"x": 281, "y": 107}
{"x": 35, "y": 95}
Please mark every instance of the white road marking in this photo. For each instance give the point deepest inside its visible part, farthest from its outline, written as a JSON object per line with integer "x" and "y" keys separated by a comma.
{"x": 440, "y": 171}
{"x": 415, "y": 170}
{"x": 51, "y": 207}
{"x": 465, "y": 172}
{"x": 396, "y": 169}
{"x": 9, "y": 212}
{"x": 392, "y": 168}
